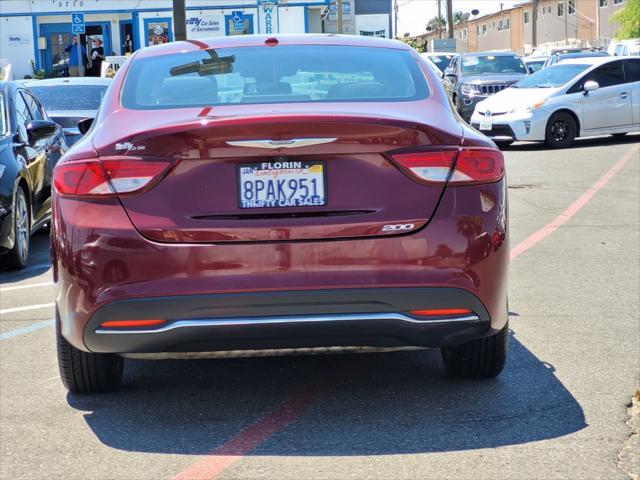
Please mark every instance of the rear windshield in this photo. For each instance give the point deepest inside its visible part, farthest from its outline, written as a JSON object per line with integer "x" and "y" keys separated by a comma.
{"x": 70, "y": 97}
{"x": 280, "y": 74}
{"x": 485, "y": 64}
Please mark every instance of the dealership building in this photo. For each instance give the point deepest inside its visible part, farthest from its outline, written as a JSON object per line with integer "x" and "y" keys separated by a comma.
{"x": 39, "y": 30}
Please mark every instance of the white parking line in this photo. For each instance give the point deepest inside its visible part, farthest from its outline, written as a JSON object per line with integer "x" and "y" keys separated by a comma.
{"x": 20, "y": 287}
{"x": 24, "y": 309}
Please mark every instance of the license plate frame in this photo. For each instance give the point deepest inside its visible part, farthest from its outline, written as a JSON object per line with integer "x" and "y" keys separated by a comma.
{"x": 485, "y": 126}
{"x": 271, "y": 166}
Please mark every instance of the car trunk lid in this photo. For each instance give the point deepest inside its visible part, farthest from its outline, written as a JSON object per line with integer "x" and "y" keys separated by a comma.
{"x": 201, "y": 198}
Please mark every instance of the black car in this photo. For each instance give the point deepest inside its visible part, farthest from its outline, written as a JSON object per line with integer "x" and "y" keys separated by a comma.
{"x": 472, "y": 77}
{"x": 30, "y": 145}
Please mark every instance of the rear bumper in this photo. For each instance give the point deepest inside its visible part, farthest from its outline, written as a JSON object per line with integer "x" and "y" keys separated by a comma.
{"x": 105, "y": 270}
{"x": 370, "y": 317}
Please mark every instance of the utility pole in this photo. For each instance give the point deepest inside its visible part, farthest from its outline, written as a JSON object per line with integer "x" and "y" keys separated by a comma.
{"x": 339, "y": 8}
{"x": 395, "y": 20}
{"x": 534, "y": 23}
{"x": 566, "y": 23}
{"x": 179, "y": 20}
{"x": 439, "y": 17}
{"x": 450, "y": 18}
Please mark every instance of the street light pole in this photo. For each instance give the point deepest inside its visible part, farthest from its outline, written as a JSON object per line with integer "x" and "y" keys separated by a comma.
{"x": 439, "y": 17}
{"x": 179, "y": 20}
{"x": 450, "y": 18}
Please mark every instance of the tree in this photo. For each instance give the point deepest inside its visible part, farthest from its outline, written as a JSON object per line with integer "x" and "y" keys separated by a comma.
{"x": 458, "y": 17}
{"x": 433, "y": 24}
{"x": 629, "y": 20}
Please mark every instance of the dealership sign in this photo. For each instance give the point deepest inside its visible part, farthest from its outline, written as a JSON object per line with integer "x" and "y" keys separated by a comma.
{"x": 205, "y": 25}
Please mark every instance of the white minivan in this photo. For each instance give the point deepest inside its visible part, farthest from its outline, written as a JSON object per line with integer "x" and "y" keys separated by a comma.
{"x": 574, "y": 98}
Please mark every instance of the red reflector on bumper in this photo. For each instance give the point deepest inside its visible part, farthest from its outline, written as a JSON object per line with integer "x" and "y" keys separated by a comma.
{"x": 131, "y": 323}
{"x": 440, "y": 312}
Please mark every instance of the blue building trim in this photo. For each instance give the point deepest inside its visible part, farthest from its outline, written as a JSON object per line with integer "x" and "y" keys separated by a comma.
{"x": 135, "y": 18}
{"x": 146, "y": 23}
{"x": 36, "y": 51}
{"x": 157, "y": 9}
{"x": 306, "y": 19}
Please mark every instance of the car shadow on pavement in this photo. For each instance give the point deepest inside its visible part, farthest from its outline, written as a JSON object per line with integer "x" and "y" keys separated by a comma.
{"x": 390, "y": 404}
{"x": 39, "y": 261}
{"x": 585, "y": 142}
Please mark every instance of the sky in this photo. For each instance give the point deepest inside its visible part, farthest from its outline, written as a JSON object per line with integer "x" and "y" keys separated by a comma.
{"x": 413, "y": 15}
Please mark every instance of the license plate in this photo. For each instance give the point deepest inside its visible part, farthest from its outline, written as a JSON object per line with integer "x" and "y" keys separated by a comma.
{"x": 485, "y": 125}
{"x": 282, "y": 184}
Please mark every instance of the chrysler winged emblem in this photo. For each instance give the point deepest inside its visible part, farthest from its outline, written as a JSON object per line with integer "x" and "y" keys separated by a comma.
{"x": 291, "y": 143}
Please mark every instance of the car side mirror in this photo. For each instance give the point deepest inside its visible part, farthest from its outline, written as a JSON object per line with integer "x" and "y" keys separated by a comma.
{"x": 590, "y": 86}
{"x": 530, "y": 69}
{"x": 84, "y": 125}
{"x": 40, "y": 130}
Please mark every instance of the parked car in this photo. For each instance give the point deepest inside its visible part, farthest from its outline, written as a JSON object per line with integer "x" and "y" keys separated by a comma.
{"x": 362, "y": 214}
{"x": 625, "y": 48}
{"x": 534, "y": 64}
{"x": 472, "y": 77}
{"x": 440, "y": 59}
{"x": 558, "y": 57}
{"x": 432, "y": 65}
{"x": 30, "y": 144}
{"x": 574, "y": 98}
{"x": 70, "y": 100}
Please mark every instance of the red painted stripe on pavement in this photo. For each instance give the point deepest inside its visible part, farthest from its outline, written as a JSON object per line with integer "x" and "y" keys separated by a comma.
{"x": 574, "y": 208}
{"x": 213, "y": 464}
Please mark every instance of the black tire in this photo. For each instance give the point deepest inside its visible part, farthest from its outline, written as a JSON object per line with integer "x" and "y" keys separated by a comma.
{"x": 477, "y": 359}
{"x": 83, "y": 372}
{"x": 17, "y": 257}
{"x": 503, "y": 143}
{"x": 561, "y": 130}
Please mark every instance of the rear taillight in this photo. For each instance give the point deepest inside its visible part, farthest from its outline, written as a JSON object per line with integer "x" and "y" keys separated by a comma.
{"x": 472, "y": 165}
{"x": 108, "y": 177}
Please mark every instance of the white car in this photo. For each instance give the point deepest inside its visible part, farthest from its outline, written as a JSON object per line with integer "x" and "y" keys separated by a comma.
{"x": 575, "y": 98}
{"x": 625, "y": 48}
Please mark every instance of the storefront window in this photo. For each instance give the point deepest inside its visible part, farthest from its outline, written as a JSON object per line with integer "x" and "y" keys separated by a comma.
{"x": 158, "y": 31}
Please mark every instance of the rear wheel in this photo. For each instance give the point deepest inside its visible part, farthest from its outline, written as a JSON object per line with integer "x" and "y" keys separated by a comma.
{"x": 16, "y": 258}
{"x": 84, "y": 372}
{"x": 561, "y": 130}
{"x": 503, "y": 143}
{"x": 477, "y": 359}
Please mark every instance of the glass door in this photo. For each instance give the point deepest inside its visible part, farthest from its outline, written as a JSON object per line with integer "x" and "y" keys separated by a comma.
{"x": 58, "y": 36}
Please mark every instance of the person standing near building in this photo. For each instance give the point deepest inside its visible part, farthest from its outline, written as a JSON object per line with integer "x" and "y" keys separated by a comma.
{"x": 75, "y": 69}
{"x": 97, "y": 56}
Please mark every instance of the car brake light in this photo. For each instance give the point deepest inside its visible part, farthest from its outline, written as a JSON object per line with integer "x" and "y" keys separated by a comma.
{"x": 105, "y": 178}
{"x": 473, "y": 165}
{"x": 132, "y": 323}
{"x": 440, "y": 312}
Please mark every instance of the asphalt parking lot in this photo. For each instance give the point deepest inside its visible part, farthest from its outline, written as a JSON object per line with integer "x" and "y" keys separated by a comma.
{"x": 557, "y": 411}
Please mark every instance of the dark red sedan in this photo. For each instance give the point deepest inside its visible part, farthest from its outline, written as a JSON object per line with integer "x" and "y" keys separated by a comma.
{"x": 260, "y": 195}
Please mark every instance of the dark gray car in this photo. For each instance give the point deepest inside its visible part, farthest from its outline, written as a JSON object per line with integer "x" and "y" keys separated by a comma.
{"x": 472, "y": 77}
